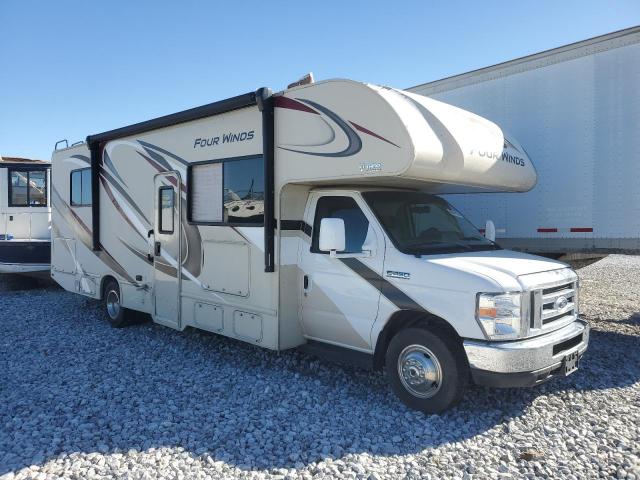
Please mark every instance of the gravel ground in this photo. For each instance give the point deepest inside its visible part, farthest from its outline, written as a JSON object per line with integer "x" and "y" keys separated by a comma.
{"x": 83, "y": 400}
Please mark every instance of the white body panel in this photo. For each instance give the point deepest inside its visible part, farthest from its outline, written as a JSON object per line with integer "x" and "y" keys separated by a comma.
{"x": 576, "y": 110}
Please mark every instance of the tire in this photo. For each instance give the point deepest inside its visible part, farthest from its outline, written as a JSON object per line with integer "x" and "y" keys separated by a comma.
{"x": 427, "y": 370}
{"x": 117, "y": 315}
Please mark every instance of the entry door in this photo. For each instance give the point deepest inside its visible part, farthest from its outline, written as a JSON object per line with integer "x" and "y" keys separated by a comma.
{"x": 339, "y": 295}
{"x": 167, "y": 253}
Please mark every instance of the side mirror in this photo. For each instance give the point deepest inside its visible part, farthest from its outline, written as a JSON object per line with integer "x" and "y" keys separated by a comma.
{"x": 332, "y": 236}
{"x": 490, "y": 231}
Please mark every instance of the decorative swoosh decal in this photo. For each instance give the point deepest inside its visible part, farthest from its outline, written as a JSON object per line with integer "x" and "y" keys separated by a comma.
{"x": 309, "y": 106}
{"x": 149, "y": 147}
{"x": 355, "y": 143}
{"x": 107, "y": 161}
{"x": 373, "y": 134}
{"x": 84, "y": 158}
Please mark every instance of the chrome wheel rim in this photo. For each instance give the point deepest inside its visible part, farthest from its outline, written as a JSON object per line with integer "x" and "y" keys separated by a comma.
{"x": 419, "y": 371}
{"x": 113, "y": 304}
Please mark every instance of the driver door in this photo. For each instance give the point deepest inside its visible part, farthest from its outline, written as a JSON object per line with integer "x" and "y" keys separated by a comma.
{"x": 340, "y": 295}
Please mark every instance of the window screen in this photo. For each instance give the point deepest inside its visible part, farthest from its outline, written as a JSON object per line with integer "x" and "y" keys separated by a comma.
{"x": 81, "y": 188}
{"x": 355, "y": 223}
{"x": 28, "y": 188}
{"x": 228, "y": 192}
{"x": 206, "y": 193}
{"x": 166, "y": 209}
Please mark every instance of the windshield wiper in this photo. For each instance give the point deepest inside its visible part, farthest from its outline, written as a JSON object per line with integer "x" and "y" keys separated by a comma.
{"x": 417, "y": 246}
{"x": 473, "y": 238}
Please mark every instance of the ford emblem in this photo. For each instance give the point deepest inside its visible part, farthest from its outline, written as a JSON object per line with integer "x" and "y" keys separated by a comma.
{"x": 561, "y": 303}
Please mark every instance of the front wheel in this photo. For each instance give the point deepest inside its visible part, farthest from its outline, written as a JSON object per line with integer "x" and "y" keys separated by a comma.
{"x": 427, "y": 371}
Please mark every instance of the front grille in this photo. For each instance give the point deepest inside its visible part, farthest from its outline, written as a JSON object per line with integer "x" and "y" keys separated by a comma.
{"x": 553, "y": 305}
{"x": 548, "y": 320}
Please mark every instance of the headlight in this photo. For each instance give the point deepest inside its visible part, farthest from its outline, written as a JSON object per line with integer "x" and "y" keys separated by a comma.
{"x": 500, "y": 315}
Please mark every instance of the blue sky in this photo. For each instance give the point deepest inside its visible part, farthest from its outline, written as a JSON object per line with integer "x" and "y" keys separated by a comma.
{"x": 69, "y": 68}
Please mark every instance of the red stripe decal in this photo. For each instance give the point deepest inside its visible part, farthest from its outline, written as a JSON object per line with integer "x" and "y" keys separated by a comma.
{"x": 153, "y": 163}
{"x": 547, "y": 230}
{"x": 482, "y": 230}
{"x": 79, "y": 220}
{"x": 581, "y": 229}
{"x": 369, "y": 132}
{"x": 160, "y": 169}
{"x": 291, "y": 104}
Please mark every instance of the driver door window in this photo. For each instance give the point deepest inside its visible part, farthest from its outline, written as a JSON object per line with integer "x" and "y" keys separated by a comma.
{"x": 355, "y": 223}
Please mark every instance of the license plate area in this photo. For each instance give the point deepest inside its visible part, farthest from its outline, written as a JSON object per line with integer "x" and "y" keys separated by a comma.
{"x": 570, "y": 363}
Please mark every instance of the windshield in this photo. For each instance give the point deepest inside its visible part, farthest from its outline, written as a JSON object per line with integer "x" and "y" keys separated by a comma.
{"x": 418, "y": 223}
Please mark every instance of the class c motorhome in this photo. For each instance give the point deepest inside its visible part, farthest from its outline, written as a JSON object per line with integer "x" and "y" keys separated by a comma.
{"x": 25, "y": 216}
{"x": 311, "y": 218}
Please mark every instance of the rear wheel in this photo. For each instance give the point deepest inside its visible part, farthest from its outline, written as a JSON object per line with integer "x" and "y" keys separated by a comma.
{"x": 426, "y": 370}
{"x": 117, "y": 315}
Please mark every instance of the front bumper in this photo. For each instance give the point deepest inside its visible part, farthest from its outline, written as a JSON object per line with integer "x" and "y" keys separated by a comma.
{"x": 528, "y": 362}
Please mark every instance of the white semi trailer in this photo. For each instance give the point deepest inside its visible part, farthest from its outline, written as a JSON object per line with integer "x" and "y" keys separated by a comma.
{"x": 576, "y": 110}
{"x": 307, "y": 218}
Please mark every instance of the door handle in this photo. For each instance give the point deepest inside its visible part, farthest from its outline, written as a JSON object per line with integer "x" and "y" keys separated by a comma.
{"x": 157, "y": 249}
{"x": 306, "y": 284}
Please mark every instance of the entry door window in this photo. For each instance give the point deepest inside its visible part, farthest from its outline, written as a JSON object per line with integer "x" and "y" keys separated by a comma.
{"x": 166, "y": 212}
{"x": 355, "y": 222}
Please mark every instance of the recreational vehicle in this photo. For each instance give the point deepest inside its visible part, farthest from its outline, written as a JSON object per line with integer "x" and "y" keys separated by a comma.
{"x": 311, "y": 218}
{"x": 25, "y": 215}
{"x": 576, "y": 110}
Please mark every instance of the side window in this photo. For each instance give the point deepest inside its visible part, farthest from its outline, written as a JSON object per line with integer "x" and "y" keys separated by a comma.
{"x": 229, "y": 191}
{"x": 355, "y": 223}
{"x": 244, "y": 191}
{"x": 81, "y": 187}
{"x": 166, "y": 210}
{"x": 28, "y": 188}
{"x": 19, "y": 193}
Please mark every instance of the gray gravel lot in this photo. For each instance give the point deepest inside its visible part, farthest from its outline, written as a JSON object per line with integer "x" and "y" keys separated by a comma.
{"x": 83, "y": 400}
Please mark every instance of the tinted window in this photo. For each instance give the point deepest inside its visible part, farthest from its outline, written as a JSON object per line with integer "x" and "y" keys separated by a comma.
{"x": 28, "y": 188}
{"x": 81, "y": 187}
{"x": 19, "y": 194}
{"x": 355, "y": 223}
{"x": 244, "y": 191}
{"x": 38, "y": 188}
{"x": 166, "y": 209}
{"x": 86, "y": 186}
